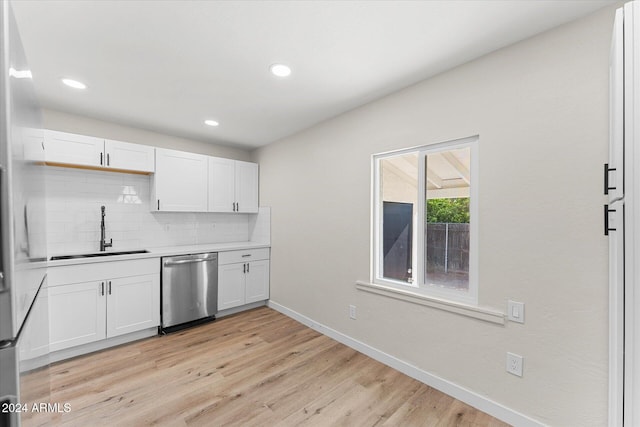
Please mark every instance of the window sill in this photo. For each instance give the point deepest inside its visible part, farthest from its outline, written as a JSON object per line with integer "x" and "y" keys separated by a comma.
{"x": 481, "y": 313}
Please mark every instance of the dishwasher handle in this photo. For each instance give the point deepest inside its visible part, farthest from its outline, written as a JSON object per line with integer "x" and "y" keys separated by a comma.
{"x": 188, "y": 261}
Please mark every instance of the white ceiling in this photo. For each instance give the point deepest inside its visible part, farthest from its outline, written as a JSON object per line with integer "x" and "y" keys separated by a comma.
{"x": 169, "y": 65}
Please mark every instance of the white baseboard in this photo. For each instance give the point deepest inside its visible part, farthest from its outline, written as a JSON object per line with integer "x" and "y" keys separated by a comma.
{"x": 469, "y": 397}
{"x": 80, "y": 350}
{"x": 235, "y": 310}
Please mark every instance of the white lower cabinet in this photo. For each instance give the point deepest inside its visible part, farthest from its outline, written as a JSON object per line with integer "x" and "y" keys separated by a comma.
{"x": 243, "y": 277}
{"x": 231, "y": 285}
{"x": 133, "y": 303}
{"x": 92, "y": 302}
{"x": 257, "y": 281}
{"x": 77, "y": 314}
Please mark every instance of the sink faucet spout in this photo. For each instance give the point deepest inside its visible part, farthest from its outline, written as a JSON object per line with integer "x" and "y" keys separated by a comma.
{"x": 103, "y": 241}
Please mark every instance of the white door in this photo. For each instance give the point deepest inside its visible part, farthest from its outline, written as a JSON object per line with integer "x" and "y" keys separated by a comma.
{"x": 614, "y": 216}
{"x": 127, "y": 156}
{"x": 257, "y": 281}
{"x": 221, "y": 185}
{"x": 180, "y": 181}
{"x": 231, "y": 284}
{"x": 246, "y": 187}
{"x": 77, "y": 314}
{"x": 68, "y": 148}
{"x": 632, "y": 214}
{"x": 133, "y": 304}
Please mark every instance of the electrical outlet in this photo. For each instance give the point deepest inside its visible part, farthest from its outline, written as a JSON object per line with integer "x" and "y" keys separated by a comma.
{"x": 514, "y": 364}
{"x": 352, "y": 312}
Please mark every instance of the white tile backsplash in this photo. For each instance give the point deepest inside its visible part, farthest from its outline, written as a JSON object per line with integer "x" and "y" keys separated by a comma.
{"x": 260, "y": 226}
{"x": 74, "y": 198}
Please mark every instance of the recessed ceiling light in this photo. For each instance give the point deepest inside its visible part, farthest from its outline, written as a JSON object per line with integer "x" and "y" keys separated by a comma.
{"x": 211, "y": 123}
{"x": 280, "y": 70}
{"x": 74, "y": 84}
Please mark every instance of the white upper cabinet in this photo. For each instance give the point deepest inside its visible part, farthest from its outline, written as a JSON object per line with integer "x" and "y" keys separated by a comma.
{"x": 233, "y": 186}
{"x": 127, "y": 156}
{"x": 72, "y": 149}
{"x": 221, "y": 185}
{"x": 33, "y": 144}
{"x": 180, "y": 182}
{"x": 246, "y": 187}
{"x": 88, "y": 151}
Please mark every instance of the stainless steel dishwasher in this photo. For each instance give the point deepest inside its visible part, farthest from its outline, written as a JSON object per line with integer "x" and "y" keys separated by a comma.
{"x": 189, "y": 290}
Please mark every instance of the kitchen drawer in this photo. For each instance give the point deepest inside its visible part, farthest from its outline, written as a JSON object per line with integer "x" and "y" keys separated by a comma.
{"x": 67, "y": 274}
{"x": 232, "y": 257}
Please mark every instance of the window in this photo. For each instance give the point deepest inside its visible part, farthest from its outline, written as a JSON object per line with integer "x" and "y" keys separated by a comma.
{"x": 425, "y": 219}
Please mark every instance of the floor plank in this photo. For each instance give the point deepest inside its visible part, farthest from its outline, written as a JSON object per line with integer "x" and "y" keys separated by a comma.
{"x": 256, "y": 368}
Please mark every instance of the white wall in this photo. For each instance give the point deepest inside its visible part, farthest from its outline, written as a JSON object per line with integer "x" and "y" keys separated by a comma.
{"x": 541, "y": 110}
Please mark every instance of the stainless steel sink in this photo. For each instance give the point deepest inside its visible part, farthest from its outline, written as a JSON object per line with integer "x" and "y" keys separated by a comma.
{"x": 98, "y": 254}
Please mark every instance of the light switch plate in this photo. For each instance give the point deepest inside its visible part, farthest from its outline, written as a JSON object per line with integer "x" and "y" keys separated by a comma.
{"x": 515, "y": 311}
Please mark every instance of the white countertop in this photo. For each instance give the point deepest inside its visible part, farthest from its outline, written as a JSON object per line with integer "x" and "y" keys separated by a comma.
{"x": 162, "y": 252}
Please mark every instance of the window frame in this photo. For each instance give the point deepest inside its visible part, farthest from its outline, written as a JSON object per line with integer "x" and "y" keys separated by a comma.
{"x": 469, "y": 296}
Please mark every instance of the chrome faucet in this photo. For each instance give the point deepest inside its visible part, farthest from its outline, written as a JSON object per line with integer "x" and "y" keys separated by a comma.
{"x": 103, "y": 240}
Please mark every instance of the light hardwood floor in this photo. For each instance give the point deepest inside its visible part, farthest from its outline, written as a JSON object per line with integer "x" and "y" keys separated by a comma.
{"x": 257, "y": 368}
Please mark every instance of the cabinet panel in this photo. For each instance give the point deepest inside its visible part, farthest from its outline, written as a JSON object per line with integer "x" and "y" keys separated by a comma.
{"x": 257, "y": 281}
{"x": 133, "y": 303}
{"x": 230, "y": 286}
{"x": 61, "y": 147}
{"x": 77, "y": 314}
{"x": 33, "y": 140}
{"x": 221, "y": 184}
{"x": 101, "y": 270}
{"x": 127, "y": 156}
{"x": 180, "y": 181}
{"x": 248, "y": 255}
{"x": 246, "y": 175}
{"x": 35, "y": 332}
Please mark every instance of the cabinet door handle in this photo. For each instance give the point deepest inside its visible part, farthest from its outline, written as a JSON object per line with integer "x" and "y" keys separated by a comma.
{"x": 606, "y": 220}
{"x": 109, "y": 287}
{"x": 237, "y": 207}
{"x": 244, "y": 268}
{"x": 607, "y": 169}
{"x": 247, "y": 267}
{"x": 101, "y": 154}
{"x": 158, "y": 204}
{"x": 102, "y": 289}
{"x": 108, "y": 159}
